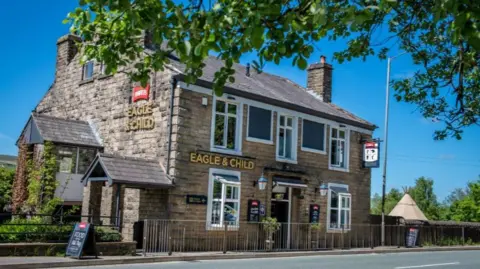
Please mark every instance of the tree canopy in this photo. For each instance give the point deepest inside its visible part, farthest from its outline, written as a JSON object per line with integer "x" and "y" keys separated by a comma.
{"x": 6, "y": 180}
{"x": 442, "y": 37}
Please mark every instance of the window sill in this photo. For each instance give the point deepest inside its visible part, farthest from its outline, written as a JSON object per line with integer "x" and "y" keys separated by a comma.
{"x": 258, "y": 140}
{"x": 221, "y": 228}
{"x": 286, "y": 160}
{"x": 226, "y": 151}
{"x": 101, "y": 77}
{"x": 86, "y": 81}
{"x": 314, "y": 150}
{"x": 339, "y": 169}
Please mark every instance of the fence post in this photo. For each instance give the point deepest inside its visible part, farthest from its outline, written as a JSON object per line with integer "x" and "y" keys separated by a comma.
{"x": 371, "y": 243}
{"x": 463, "y": 235}
{"x": 225, "y": 238}
{"x": 169, "y": 236}
{"x": 144, "y": 244}
{"x": 343, "y": 237}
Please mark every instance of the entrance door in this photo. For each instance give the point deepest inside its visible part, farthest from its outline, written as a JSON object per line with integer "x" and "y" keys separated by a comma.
{"x": 279, "y": 211}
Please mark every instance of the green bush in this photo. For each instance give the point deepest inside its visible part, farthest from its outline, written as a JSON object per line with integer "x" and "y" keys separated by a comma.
{"x": 38, "y": 229}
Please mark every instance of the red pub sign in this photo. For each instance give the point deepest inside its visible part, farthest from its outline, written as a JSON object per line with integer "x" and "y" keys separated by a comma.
{"x": 140, "y": 93}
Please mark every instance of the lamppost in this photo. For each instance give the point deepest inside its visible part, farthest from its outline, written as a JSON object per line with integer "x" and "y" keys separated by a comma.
{"x": 385, "y": 138}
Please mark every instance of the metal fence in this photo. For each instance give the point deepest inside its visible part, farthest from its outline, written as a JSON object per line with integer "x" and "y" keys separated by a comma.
{"x": 49, "y": 228}
{"x": 168, "y": 236}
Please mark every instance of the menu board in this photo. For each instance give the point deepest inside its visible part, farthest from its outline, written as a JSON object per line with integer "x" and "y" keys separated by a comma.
{"x": 314, "y": 213}
{"x": 253, "y": 210}
{"x": 411, "y": 237}
{"x": 82, "y": 241}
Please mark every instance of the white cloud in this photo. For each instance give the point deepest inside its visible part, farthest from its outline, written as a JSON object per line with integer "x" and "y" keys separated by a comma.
{"x": 403, "y": 75}
{"x": 446, "y": 156}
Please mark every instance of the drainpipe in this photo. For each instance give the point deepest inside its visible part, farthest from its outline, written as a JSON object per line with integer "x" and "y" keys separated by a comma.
{"x": 117, "y": 213}
{"x": 173, "y": 83}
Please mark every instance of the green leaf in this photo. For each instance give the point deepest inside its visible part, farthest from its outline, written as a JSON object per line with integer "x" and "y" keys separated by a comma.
{"x": 211, "y": 37}
{"x": 188, "y": 47}
{"x": 198, "y": 49}
{"x": 302, "y": 63}
{"x": 257, "y": 37}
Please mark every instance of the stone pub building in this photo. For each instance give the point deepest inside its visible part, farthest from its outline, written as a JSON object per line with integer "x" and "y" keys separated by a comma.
{"x": 175, "y": 151}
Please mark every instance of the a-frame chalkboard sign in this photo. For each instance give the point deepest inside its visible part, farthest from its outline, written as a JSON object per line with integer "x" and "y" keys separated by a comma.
{"x": 82, "y": 241}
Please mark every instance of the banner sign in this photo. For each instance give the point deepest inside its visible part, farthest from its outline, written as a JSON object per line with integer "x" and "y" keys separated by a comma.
{"x": 226, "y": 161}
{"x": 253, "y": 211}
{"x": 371, "y": 154}
{"x": 140, "y": 93}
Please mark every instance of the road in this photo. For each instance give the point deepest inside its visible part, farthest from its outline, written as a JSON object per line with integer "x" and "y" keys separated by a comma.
{"x": 429, "y": 260}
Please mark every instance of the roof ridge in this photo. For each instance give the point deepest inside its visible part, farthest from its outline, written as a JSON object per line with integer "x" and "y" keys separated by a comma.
{"x": 130, "y": 158}
{"x": 38, "y": 115}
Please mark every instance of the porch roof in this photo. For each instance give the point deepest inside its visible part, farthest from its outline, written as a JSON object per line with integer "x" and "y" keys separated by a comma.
{"x": 294, "y": 182}
{"x": 127, "y": 170}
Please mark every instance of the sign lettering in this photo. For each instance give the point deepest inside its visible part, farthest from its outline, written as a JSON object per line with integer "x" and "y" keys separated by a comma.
{"x": 226, "y": 161}
{"x": 371, "y": 153}
{"x": 197, "y": 199}
{"x": 140, "y": 93}
{"x": 140, "y": 118}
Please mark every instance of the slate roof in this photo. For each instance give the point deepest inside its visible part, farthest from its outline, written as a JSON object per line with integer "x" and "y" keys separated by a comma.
{"x": 131, "y": 171}
{"x": 64, "y": 131}
{"x": 276, "y": 90}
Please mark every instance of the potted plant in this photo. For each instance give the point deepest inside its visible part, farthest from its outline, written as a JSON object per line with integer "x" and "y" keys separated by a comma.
{"x": 270, "y": 225}
{"x": 315, "y": 228}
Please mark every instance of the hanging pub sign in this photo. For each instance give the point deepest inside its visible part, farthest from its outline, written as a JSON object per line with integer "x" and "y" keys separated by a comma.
{"x": 253, "y": 211}
{"x": 82, "y": 241}
{"x": 371, "y": 154}
{"x": 226, "y": 161}
{"x": 314, "y": 213}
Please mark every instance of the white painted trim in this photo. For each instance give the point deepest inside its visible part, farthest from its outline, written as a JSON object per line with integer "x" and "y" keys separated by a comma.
{"x": 292, "y": 185}
{"x": 277, "y": 109}
{"x": 211, "y": 171}
{"x": 258, "y": 140}
{"x": 238, "y": 128}
{"x": 293, "y": 160}
{"x": 347, "y": 151}
{"x": 324, "y": 151}
{"x": 339, "y": 205}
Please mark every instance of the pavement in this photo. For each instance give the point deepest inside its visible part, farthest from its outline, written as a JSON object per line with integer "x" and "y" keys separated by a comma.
{"x": 392, "y": 258}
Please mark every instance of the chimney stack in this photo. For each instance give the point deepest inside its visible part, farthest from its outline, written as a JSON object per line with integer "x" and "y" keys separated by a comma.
{"x": 319, "y": 79}
{"x": 66, "y": 51}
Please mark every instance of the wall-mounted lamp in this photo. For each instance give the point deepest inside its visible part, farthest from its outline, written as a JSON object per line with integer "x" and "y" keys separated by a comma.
{"x": 262, "y": 182}
{"x": 204, "y": 101}
{"x": 323, "y": 189}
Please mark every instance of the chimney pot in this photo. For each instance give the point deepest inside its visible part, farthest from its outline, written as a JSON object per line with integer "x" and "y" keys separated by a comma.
{"x": 247, "y": 71}
{"x": 323, "y": 59}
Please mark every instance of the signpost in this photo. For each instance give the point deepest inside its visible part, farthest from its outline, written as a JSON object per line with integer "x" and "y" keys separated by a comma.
{"x": 82, "y": 241}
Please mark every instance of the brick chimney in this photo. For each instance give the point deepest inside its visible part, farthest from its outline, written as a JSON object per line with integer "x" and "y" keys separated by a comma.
{"x": 319, "y": 79}
{"x": 66, "y": 51}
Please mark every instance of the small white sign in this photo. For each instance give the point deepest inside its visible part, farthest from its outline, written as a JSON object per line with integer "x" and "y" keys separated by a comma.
{"x": 371, "y": 153}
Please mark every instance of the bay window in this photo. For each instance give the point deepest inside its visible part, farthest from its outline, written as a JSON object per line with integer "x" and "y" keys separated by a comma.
{"x": 338, "y": 149}
{"x": 339, "y": 207}
{"x": 226, "y": 126}
{"x": 223, "y": 198}
{"x": 286, "y": 138}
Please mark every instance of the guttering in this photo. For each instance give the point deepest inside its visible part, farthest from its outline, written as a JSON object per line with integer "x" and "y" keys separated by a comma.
{"x": 173, "y": 83}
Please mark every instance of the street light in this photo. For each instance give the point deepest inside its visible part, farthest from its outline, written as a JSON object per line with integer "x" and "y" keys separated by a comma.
{"x": 385, "y": 138}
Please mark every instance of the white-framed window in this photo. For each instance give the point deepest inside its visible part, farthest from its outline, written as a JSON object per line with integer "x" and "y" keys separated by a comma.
{"x": 260, "y": 125}
{"x": 313, "y": 136}
{"x": 223, "y": 198}
{"x": 339, "y": 214}
{"x": 286, "y": 138}
{"x": 226, "y": 126}
{"x": 103, "y": 67}
{"x": 339, "y": 149}
{"x": 87, "y": 70}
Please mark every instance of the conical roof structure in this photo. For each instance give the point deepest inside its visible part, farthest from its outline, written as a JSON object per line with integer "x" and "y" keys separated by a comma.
{"x": 408, "y": 209}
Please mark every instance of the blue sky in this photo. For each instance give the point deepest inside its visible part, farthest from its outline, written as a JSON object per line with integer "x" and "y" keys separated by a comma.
{"x": 29, "y": 33}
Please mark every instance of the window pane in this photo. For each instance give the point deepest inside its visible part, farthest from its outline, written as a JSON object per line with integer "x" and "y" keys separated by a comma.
{"x": 313, "y": 135}
{"x": 288, "y": 145}
{"x": 230, "y": 212}
{"x": 344, "y": 202}
{"x": 88, "y": 70}
{"x": 342, "y": 218}
{"x": 217, "y": 189}
{"x": 334, "y": 132}
{"x": 347, "y": 217}
{"x": 216, "y": 212}
{"x": 85, "y": 158}
{"x": 219, "y": 130}
{"x": 333, "y": 218}
{"x": 289, "y": 122}
{"x": 282, "y": 120}
{"x": 66, "y": 158}
{"x": 333, "y": 153}
{"x": 281, "y": 141}
{"x": 259, "y": 123}
{"x": 235, "y": 193}
{"x": 232, "y": 109}
{"x": 341, "y": 134}
{"x": 333, "y": 200}
{"x": 232, "y": 122}
{"x": 341, "y": 154}
{"x": 220, "y": 106}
